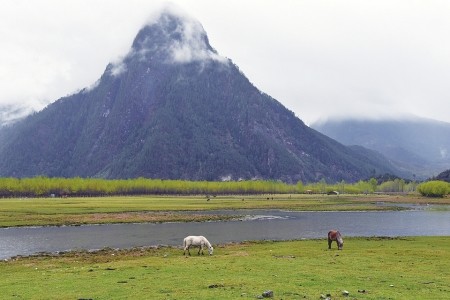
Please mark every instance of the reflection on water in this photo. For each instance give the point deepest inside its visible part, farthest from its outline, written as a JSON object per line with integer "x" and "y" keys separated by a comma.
{"x": 262, "y": 217}
{"x": 253, "y": 225}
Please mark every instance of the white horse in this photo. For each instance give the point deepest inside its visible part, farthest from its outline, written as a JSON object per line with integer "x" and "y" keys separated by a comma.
{"x": 197, "y": 241}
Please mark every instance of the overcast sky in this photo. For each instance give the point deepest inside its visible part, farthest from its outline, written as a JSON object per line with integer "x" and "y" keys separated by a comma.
{"x": 319, "y": 58}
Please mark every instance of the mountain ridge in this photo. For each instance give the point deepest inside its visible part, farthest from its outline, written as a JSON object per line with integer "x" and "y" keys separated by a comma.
{"x": 417, "y": 145}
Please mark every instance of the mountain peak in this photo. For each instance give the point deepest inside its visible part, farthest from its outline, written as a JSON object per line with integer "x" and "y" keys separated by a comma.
{"x": 174, "y": 37}
{"x": 170, "y": 37}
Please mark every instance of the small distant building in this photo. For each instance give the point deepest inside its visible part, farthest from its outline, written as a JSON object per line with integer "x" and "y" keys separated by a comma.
{"x": 333, "y": 193}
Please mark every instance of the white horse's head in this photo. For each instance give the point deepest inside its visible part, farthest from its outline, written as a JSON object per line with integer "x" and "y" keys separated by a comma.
{"x": 210, "y": 249}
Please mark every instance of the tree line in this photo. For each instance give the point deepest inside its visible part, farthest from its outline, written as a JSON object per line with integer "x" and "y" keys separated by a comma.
{"x": 90, "y": 187}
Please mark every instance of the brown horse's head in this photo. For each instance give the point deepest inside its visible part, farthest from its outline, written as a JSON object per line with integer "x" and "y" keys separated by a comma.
{"x": 340, "y": 243}
{"x": 339, "y": 240}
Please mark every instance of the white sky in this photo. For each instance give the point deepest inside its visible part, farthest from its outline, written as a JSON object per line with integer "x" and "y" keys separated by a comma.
{"x": 319, "y": 58}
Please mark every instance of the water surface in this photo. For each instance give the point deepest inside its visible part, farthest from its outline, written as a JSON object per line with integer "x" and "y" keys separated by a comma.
{"x": 254, "y": 225}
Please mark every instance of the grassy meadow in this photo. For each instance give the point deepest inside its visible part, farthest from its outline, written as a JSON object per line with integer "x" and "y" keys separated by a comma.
{"x": 372, "y": 268}
{"x": 121, "y": 209}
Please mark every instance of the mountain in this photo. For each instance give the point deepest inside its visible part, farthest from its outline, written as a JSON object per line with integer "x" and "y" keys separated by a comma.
{"x": 173, "y": 108}
{"x": 444, "y": 176}
{"x": 416, "y": 145}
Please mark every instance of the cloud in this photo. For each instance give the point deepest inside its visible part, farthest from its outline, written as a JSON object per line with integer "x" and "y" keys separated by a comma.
{"x": 191, "y": 42}
{"x": 184, "y": 41}
{"x": 118, "y": 68}
{"x": 318, "y": 58}
{"x": 193, "y": 45}
{"x": 10, "y": 113}
{"x": 51, "y": 48}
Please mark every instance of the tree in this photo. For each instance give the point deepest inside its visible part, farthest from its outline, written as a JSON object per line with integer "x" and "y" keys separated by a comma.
{"x": 433, "y": 188}
{"x": 373, "y": 182}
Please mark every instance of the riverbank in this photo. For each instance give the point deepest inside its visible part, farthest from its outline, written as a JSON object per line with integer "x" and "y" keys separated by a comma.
{"x": 102, "y": 210}
{"x": 367, "y": 268}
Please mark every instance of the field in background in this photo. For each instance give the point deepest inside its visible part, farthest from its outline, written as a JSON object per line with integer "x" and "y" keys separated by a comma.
{"x": 123, "y": 209}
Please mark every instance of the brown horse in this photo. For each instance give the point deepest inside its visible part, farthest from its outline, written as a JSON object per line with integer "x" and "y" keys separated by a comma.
{"x": 335, "y": 235}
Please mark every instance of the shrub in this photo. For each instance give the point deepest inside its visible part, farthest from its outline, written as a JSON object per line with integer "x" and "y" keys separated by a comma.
{"x": 433, "y": 188}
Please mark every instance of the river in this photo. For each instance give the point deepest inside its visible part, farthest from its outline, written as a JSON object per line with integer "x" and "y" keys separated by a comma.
{"x": 254, "y": 225}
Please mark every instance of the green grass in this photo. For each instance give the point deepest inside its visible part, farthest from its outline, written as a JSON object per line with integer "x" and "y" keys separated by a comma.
{"x": 65, "y": 211}
{"x": 406, "y": 268}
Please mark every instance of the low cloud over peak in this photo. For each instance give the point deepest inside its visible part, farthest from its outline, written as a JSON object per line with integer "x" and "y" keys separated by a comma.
{"x": 178, "y": 36}
{"x": 169, "y": 36}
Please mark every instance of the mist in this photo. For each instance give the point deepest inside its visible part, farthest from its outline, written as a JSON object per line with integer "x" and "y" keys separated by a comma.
{"x": 320, "y": 59}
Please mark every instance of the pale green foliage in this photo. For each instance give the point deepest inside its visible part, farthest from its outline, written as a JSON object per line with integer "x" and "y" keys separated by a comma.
{"x": 396, "y": 186}
{"x": 44, "y": 187}
{"x": 434, "y": 188}
{"x": 300, "y": 187}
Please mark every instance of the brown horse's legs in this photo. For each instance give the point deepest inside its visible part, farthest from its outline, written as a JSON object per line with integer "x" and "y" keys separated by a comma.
{"x": 329, "y": 243}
